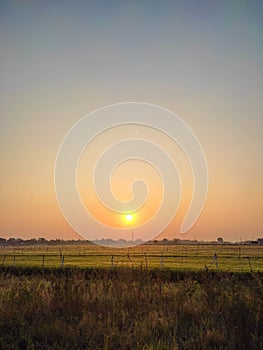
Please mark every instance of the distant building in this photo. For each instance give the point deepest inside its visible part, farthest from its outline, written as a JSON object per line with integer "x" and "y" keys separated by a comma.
{"x": 260, "y": 241}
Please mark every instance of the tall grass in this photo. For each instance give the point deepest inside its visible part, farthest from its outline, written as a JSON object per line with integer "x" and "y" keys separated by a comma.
{"x": 128, "y": 309}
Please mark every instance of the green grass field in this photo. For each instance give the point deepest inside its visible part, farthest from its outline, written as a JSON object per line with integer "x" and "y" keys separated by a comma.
{"x": 235, "y": 258}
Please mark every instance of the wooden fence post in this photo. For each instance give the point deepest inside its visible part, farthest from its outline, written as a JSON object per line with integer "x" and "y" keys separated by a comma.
{"x": 146, "y": 260}
{"x": 161, "y": 260}
{"x": 3, "y": 261}
{"x": 248, "y": 258}
{"x": 62, "y": 260}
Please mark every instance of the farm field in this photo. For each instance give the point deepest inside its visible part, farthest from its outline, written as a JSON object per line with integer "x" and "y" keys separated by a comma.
{"x": 235, "y": 258}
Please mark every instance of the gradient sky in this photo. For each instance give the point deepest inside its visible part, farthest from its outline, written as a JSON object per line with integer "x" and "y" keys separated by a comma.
{"x": 202, "y": 60}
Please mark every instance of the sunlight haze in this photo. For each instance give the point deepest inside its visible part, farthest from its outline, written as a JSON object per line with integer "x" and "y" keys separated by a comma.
{"x": 202, "y": 60}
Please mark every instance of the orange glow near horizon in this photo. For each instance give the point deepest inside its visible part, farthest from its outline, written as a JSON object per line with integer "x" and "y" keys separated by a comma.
{"x": 121, "y": 181}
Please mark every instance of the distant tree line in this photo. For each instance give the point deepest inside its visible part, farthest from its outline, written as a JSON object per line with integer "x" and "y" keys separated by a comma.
{"x": 108, "y": 242}
{"x": 39, "y": 241}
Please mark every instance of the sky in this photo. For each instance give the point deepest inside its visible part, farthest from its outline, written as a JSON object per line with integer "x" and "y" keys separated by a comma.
{"x": 202, "y": 60}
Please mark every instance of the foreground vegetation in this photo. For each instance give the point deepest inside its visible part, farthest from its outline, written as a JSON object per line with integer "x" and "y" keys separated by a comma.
{"x": 129, "y": 309}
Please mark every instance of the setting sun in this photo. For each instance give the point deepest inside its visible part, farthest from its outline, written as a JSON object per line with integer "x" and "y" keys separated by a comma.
{"x": 129, "y": 218}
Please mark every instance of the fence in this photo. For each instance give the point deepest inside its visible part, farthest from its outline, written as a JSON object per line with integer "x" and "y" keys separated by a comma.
{"x": 201, "y": 257}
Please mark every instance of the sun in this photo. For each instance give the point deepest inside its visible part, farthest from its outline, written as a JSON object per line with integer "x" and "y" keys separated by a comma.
{"x": 129, "y": 218}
